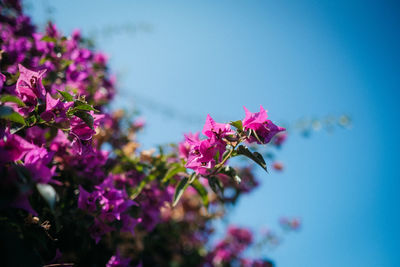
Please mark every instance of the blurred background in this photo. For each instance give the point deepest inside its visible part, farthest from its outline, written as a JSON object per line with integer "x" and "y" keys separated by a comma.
{"x": 307, "y": 62}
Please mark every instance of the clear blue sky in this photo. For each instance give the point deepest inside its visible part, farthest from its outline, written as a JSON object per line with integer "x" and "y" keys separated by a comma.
{"x": 296, "y": 58}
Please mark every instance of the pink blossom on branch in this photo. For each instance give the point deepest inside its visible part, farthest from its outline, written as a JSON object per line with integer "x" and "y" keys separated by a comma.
{"x": 263, "y": 129}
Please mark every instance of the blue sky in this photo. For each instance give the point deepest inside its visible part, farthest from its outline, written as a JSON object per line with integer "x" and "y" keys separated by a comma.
{"x": 296, "y": 58}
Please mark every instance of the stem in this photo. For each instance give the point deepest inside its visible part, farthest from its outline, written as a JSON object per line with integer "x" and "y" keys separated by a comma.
{"x": 221, "y": 164}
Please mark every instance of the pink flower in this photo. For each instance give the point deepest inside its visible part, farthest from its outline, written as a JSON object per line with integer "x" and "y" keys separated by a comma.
{"x": 55, "y": 109}
{"x": 14, "y": 148}
{"x": 184, "y": 146}
{"x": 36, "y": 160}
{"x": 217, "y": 130}
{"x": 263, "y": 129}
{"x": 201, "y": 156}
{"x": 29, "y": 85}
{"x": 280, "y": 138}
{"x": 36, "y": 135}
{"x": 60, "y": 142}
{"x": 139, "y": 123}
{"x": 100, "y": 58}
{"x": 88, "y": 201}
{"x": 80, "y": 129}
{"x": 118, "y": 261}
{"x": 242, "y": 235}
{"x": 98, "y": 229}
{"x": 129, "y": 223}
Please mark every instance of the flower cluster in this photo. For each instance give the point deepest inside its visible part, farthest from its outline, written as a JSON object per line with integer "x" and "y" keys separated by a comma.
{"x": 72, "y": 66}
{"x": 230, "y": 249}
{"x": 110, "y": 204}
{"x": 203, "y": 155}
{"x": 75, "y": 187}
{"x": 260, "y": 128}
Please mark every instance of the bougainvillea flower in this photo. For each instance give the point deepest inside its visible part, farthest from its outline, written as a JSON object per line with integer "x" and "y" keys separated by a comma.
{"x": 222, "y": 255}
{"x": 253, "y": 120}
{"x": 129, "y": 223}
{"x": 51, "y": 30}
{"x": 113, "y": 201}
{"x": 36, "y": 135}
{"x": 201, "y": 156}
{"x": 184, "y": 146}
{"x": 60, "y": 142}
{"x": 242, "y": 235}
{"x": 42, "y": 46}
{"x": 263, "y": 128}
{"x": 13, "y": 148}
{"x": 280, "y": 138}
{"x": 55, "y": 109}
{"x": 117, "y": 261}
{"x": 36, "y": 160}
{"x": 112, "y": 209}
{"x": 100, "y": 59}
{"x": 29, "y": 85}
{"x": 74, "y": 74}
{"x": 88, "y": 201}
{"x": 98, "y": 229}
{"x": 82, "y": 130}
{"x": 218, "y": 130}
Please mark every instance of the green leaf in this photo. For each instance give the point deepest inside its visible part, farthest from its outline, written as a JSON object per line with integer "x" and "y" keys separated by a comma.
{"x": 201, "y": 190}
{"x": 16, "y": 117}
{"x": 192, "y": 178}
{"x": 11, "y": 78}
{"x": 49, "y": 39}
{"x": 43, "y": 60}
{"x": 180, "y": 188}
{"x": 12, "y": 98}
{"x": 237, "y": 124}
{"x": 86, "y": 117}
{"x": 9, "y": 114}
{"x": 231, "y": 172}
{"x": 216, "y": 157}
{"x": 31, "y": 120}
{"x": 65, "y": 63}
{"x": 255, "y": 156}
{"x": 228, "y": 170}
{"x": 216, "y": 185}
{"x": 172, "y": 171}
{"x": 141, "y": 185}
{"x": 78, "y": 104}
{"x": 67, "y": 96}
